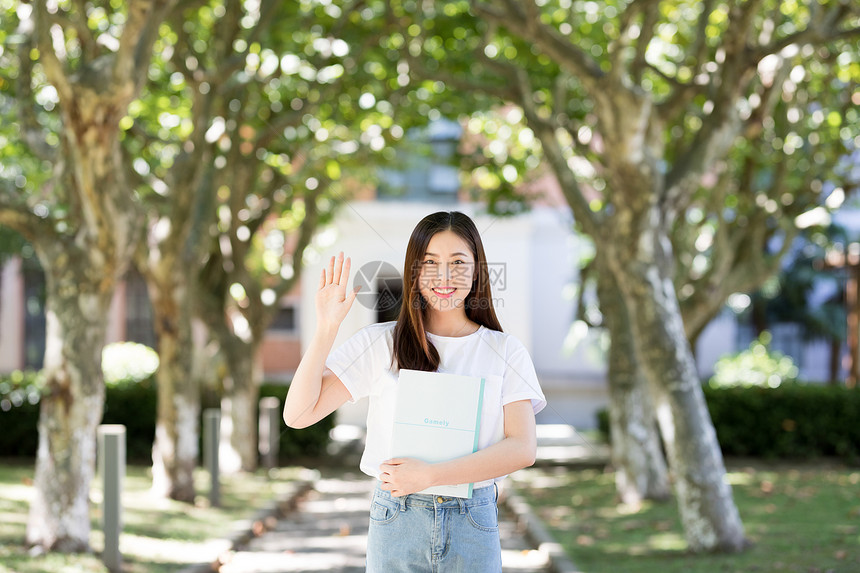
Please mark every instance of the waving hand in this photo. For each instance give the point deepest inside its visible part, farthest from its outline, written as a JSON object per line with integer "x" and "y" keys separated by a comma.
{"x": 332, "y": 300}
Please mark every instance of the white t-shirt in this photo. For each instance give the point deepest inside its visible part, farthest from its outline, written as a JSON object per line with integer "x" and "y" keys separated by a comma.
{"x": 363, "y": 364}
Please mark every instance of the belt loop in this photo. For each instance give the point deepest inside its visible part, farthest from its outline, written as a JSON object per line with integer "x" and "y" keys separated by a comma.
{"x": 462, "y": 503}
{"x": 403, "y": 503}
{"x": 496, "y": 487}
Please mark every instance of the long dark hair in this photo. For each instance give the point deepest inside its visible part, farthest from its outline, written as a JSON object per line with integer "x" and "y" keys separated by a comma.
{"x": 412, "y": 350}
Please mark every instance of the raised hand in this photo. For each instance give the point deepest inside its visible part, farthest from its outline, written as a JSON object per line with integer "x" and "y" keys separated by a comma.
{"x": 332, "y": 300}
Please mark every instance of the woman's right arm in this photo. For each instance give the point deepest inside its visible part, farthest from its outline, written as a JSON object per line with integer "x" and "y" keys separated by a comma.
{"x": 315, "y": 391}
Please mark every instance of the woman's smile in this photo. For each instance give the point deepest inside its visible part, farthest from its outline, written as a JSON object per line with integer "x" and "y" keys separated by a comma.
{"x": 443, "y": 292}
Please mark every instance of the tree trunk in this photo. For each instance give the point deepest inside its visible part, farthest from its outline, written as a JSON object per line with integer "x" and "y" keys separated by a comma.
{"x": 640, "y": 468}
{"x": 710, "y": 518}
{"x": 71, "y": 407}
{"x": 176, "y": 246}
{"x": 81, "y": 268}
{"x": 239, "y": 448}
{"x": 835, "y": 362}
{"x": 175, "y": 451}
{"x": 84, "y": 231}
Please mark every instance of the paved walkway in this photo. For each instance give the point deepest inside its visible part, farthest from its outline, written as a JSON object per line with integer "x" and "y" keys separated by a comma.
{"x": 327, "y": 529}
{"x": 328, "y": 532}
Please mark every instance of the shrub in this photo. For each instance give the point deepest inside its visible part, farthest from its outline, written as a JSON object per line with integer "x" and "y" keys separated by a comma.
{"x": 134, "y": 405}
{"x": 308, "y": 442}
{"x": 126, "y": 363}
{"x": 132, "y": 402}
{"x": 755, "y": 366}
{"x": 20, "y": 393}
{"x": 131, "y": 396}
{"x": 792, "y": 421}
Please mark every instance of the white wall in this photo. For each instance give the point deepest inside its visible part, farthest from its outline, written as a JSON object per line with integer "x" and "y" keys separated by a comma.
{"x": 717, "y": 339}
{"x": 11, "y": 316}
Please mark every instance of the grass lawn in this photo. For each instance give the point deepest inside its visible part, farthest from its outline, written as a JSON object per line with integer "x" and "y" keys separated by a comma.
{"x": 801, "y": 518}
{"x": 159, "y": 536}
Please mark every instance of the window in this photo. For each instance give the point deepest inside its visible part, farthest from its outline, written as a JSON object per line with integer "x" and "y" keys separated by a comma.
{"x": 285, "y": 320}
{"x": 389, "y": 297}
{"x": 138, "y": 311}
{"x": 426, "y": 161}
{"x": 34, "y": 316}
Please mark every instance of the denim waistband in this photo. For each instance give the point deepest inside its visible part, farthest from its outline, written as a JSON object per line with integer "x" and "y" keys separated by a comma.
{"x": 480, "y": 496}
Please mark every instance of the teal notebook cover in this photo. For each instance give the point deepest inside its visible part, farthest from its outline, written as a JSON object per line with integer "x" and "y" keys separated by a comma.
{"x": 437, "y": 418}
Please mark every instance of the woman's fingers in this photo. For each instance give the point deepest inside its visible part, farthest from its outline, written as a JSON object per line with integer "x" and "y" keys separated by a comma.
{"x": 338, "y": 272}
{"x": 337, "y": 268}
{"x": 343, "y": 278}
{"x": 330, "y": 274}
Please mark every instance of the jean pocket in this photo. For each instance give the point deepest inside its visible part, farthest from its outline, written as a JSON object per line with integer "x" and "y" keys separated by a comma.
{"x": 384, "y": 510}
{"x": 484, "y": 517}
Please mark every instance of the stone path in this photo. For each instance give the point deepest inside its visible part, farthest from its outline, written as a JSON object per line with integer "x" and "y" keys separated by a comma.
{"x": 328, "y": 532}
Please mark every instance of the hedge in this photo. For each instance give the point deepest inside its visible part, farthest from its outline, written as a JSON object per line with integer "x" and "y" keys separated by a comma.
{"x": 791, "y": 421}
{"x": 133, "y": 405}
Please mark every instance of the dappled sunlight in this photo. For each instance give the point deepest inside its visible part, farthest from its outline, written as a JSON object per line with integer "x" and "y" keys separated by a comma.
{"x": 668, "y": 542}
{"x": 18, "y": 492}
{"x": 339, "y": 505}
{"x": 11, "y": 527}
{"x": 159, "y": 535}
{"x": 170, "y": 550}
{"x": 808, "y": 514}
{"x": 525, "y": 559}
{"x": 275, "y": 562}
{"x": 738, "y": 478}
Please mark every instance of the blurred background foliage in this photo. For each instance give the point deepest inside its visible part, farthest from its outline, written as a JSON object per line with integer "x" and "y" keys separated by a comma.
{"x": 755, "y": 366}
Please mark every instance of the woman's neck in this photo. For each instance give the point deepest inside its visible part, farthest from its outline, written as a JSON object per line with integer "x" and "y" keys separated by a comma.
{"x": 453, "y": 326}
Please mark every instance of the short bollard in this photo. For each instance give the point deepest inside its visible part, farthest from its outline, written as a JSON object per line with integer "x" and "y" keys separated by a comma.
{"x": 269, "y": 431}
{"x": 111, "y": 443}
{"x": 211, "y": 440}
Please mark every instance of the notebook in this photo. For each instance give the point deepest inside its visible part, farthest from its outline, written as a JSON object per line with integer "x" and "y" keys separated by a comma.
{"x": 437, "y": 418}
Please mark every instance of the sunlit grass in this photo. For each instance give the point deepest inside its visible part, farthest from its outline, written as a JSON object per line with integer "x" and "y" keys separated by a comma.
{"x": 159, "y": 536}
{"x": 801, "y": 518}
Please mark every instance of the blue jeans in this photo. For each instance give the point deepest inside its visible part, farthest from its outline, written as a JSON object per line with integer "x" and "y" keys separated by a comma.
{"x": 427, "y": 533}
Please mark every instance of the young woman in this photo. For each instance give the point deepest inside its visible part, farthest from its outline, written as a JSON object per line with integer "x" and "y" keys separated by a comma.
{"x": 447, "y": 323}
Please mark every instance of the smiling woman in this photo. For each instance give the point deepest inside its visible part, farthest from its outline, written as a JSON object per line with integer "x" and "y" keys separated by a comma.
{"x": 446, "y": 324}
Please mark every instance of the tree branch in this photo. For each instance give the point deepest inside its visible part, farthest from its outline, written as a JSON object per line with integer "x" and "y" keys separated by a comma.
{"x": 553, "y": 153}
{"x": 184, "y": 48}
{"x": 821, "y": 29}
{"x": 459, "y": 83}
{"x": 307, "y": 231}
{"x": 770, "y": 96}
{"x": 124, "y": 69}
{"x": 275, "y": 129}
{"x": 721, "y": 126}
{"x": 546, "y": 38}
{"x": 54, "y": 68}
{"x": 585, "y": 274}
{"x": 700, "y": 42}
{"x": 225, "y": 31}
{"x": 709, "y": 144}
{"x": 649, "y": 22}
{"x": 617, "y": 48}
{"x": 137, "y": 50}
{"x": 343, "y": 22}
{"x": 89, "y": 46}
{"x": 230, "y": 61}
{"x": 32, "y": 132}
{"x": 16, "y": 214}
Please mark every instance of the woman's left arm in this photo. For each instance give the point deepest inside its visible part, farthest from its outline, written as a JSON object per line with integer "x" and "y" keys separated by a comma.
{"x": 402, "y": 476}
